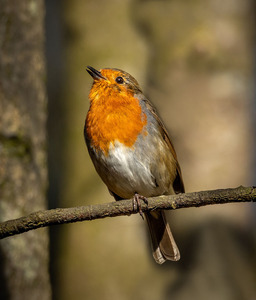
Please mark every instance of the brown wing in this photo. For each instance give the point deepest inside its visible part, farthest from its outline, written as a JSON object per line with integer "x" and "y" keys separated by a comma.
{"x": 178, "y": 184}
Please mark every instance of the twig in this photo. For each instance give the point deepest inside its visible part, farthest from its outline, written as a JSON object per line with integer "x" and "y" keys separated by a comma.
{"x": 76, "y": 214}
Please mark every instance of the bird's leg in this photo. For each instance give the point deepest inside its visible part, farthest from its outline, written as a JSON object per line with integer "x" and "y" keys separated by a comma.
{"x": 136, "y": 203}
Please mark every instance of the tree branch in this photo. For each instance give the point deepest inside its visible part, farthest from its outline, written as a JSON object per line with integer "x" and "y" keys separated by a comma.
{"x": 120, "y": 208}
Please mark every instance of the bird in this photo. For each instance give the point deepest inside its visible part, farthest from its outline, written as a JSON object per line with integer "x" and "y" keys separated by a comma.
{"x": 132, "y": 151}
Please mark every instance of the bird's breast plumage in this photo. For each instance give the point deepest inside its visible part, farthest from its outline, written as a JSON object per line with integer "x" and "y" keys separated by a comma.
{"x": 129, "y": 152}
{"x": 114, "y": 118}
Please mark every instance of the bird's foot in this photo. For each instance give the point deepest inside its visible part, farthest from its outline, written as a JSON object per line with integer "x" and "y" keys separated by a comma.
{"x": 136, "y": 203}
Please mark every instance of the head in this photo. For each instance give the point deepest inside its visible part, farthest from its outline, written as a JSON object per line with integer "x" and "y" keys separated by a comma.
{"x": 117, "y": 80}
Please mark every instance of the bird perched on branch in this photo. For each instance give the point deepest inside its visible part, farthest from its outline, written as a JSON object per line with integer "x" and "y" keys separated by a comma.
{"x": 131, "y": 150}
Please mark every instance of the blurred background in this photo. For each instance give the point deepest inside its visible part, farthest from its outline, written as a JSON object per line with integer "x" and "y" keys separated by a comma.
{"x": 195, "y": 60}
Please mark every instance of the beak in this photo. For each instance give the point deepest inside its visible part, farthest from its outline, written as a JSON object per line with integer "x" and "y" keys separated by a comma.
{"x": 96, "y": 75}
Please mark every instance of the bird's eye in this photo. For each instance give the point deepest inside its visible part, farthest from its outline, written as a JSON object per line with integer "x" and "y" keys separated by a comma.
{"x": 119, "y": 79}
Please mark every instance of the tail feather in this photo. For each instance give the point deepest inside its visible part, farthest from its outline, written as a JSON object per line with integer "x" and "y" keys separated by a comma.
{"x": 163, "y": 243}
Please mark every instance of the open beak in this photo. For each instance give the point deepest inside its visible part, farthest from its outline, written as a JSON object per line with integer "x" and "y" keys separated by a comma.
{"x": 96, "y": 75}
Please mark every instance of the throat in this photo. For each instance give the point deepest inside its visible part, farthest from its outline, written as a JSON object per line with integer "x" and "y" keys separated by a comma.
{"x": 116, "y": 120}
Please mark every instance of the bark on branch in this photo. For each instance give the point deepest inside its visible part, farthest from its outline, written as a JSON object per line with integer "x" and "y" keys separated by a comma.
{"x": 76, "y": 214}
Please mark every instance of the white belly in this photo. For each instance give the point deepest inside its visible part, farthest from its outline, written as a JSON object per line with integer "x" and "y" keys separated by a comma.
{"x": 127, "y": 171}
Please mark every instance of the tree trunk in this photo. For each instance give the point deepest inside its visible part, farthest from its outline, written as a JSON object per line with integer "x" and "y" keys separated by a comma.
{"x": 23, "y": 175}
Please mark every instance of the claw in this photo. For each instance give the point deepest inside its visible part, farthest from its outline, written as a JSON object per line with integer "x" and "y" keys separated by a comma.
{"x": 136, "y": 203}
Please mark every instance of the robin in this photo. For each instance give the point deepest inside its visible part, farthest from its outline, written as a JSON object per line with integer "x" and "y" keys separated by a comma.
{"x": 131, "y": 150}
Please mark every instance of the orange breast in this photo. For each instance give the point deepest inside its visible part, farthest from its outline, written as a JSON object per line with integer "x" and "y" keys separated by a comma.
{"x": 114, "y": 117}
